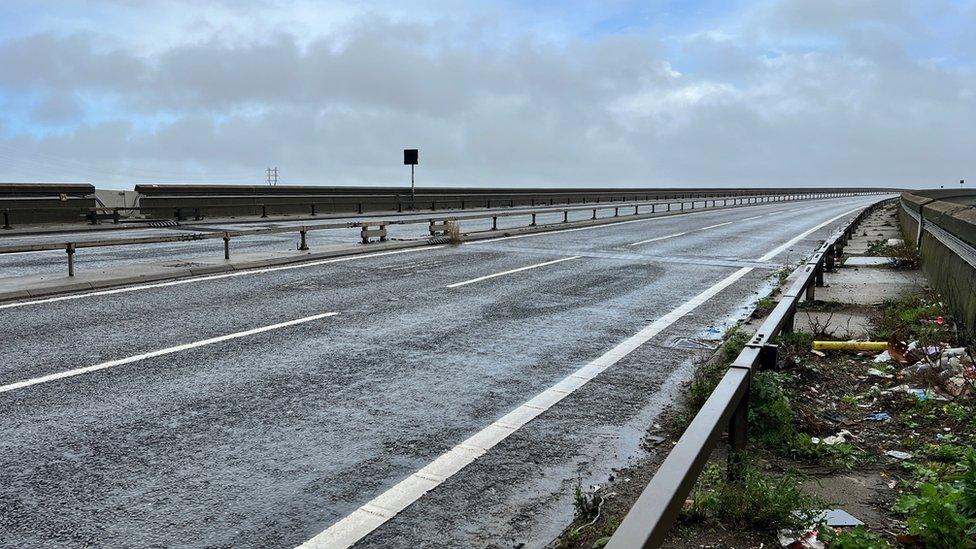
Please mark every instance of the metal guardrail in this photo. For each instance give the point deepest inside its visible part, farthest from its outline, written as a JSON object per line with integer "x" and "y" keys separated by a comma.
{"x": 319, "y": 204}
{"x": 647, "y": 523}
{"x": 951, "y": 241}
{"x": 655, "y": 207}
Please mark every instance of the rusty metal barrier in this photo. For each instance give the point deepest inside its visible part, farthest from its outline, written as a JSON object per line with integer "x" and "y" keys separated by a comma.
{"x": 639, "y": 208}
{"x": 647, "y": 523}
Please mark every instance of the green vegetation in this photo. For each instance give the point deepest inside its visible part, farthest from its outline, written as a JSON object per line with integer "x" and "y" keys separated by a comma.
{"x": 914, "y": 318}
{"x": 763, "y": 307}
{"x": 942, "y": 514}
{"x": 855, "y": 538}
{"x": 750, "y": 499}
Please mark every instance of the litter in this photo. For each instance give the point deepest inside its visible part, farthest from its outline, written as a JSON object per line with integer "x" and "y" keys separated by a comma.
{"x": 806, "y": 540}
{"x": 838, "y": 518}
{"x": 883, "y": 357}
{"x": 833, "y": 439}
{"x": 878, "y": 373}
{"x": 850, "y": 345}
{"x": 818, "y": 353}
{"x": 878, "y": 416}
{"x": 898, "y": 454}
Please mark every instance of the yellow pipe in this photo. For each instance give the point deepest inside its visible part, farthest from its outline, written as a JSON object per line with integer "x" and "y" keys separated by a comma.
{"x": 850, "y": 345}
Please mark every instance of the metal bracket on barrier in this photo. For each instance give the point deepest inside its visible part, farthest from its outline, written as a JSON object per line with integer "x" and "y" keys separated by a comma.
{"x": 768, "y": 354}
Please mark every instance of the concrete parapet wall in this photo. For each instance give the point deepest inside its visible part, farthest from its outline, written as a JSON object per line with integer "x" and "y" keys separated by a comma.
{"x": 951, "y": 274}
{"x": 30, "y": 203}
{"x": 248, "y": 200}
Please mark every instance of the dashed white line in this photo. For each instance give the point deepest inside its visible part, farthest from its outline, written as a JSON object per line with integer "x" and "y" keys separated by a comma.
{"x": 139, "y": 287}
{"x": 372, "y": 515}
{"x": 503, "y": 273}
{"x": 169, "y": 350}
{"x": 665, "y": 237}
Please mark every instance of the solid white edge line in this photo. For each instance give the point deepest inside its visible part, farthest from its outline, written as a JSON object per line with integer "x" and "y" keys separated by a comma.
{"x": 152, "y": 354}
{"x": 371, "y": 515}
{"x": 503, "y": 273}
{"x": 260, "y": 270}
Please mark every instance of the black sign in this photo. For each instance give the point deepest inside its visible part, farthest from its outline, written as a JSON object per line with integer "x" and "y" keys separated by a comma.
{"x": 410, "y": 157}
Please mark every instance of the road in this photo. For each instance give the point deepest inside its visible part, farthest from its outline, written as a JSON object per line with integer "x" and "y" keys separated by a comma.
{"x": 259, "y": 410}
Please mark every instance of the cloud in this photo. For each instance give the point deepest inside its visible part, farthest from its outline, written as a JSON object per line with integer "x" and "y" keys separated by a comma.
{"x": 786, "y": 92}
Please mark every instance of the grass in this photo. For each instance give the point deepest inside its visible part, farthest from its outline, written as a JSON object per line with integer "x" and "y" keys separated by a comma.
{"x": 750, "y": 499}
{"x": 914, "y": 318}
{"x": 453, "y": 232}
{"x": 763, "y": 307}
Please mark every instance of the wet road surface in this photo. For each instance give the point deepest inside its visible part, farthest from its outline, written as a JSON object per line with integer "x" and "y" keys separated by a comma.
{"x": 239, "y": 411}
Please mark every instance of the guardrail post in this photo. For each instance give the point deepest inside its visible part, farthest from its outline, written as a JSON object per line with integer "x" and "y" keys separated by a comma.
{"x": 462, "y": 204}
{"x": 533, "y": 221}
{"x": 6, "y": 219}
{"x": 616, "y": 212}
{"x": 594, "y": 214}
{"x": 92, "y": 218}
{"x": 359, "y": 208}
{"x": 70, "y": 248}
{"x": 636, "y": 209}
{"x": 494, "y": 223}
{"x": 738, "y": 432}
{"x": 819, "y": 275}
{"x": 565, "y": 216}
{"x": 302, "y": 246}
{"x": 226, "y": 245}
{"x": 196, "y": 214}
{"x": 311, "y": 209}
{"x": 829, "y": 258}
{"x": 115, "y": 215}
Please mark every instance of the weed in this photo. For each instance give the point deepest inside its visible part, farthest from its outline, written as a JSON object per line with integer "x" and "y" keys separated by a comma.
{"x": 913, "y": 317}
{"x": 453, "y": 231}
{"x": 586, "y": 504}
{"x": 784, "y": 273}
{"x": 770, "y": 415}
{"x": 764, "y": 307}
{"x": 841, "y": 454}
{"x": 735, "y": 341}
{"x": 934, "y": 517}
{"x": 750, "y": 499}
{"x": 855, "y": 538}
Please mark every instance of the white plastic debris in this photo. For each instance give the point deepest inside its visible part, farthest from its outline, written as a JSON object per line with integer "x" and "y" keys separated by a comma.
{"x": 898, "y": 454}
{"x": 878, "y": 373}
{"x": 883, "y": 357}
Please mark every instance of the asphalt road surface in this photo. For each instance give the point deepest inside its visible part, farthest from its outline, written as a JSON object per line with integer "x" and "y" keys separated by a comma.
{"x": 443, "y": 396}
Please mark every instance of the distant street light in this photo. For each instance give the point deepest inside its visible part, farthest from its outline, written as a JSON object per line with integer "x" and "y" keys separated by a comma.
{"x": 411, "y": 157}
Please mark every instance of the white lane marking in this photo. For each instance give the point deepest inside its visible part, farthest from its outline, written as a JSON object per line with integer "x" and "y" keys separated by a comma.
{"x": 684, "y": 233}
{"x": 373, "y": 514}
{"x": 169, "y": 350}
{"x": 32, "y": 252}
{"x": 753, "y": 217}
{"x": 503, "y": 273}
{"x": 212, "y": 277}
{"x": 665, "y": 237}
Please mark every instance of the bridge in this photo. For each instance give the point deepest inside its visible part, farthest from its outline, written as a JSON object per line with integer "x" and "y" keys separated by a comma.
{"x": 212, "y": 383}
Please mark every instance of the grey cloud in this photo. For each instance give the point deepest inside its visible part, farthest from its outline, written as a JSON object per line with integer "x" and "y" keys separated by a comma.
{"x": 609, "y": 110}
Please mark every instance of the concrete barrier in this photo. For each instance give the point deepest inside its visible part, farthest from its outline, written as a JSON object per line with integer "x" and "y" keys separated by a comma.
{"x": 31, "y": 203}
{"x": 197, "y": 201}
{"x": 942, "y": 225}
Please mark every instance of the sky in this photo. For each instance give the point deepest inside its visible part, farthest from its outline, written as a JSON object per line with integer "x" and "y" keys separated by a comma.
{"x": 504, "y": 93}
